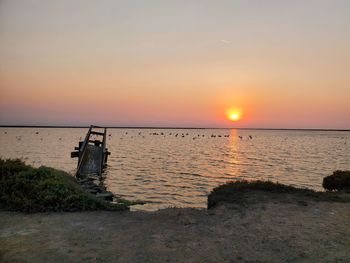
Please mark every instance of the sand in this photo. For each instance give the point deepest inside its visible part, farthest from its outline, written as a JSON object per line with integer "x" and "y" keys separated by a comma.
{"x": 267, "y": 231}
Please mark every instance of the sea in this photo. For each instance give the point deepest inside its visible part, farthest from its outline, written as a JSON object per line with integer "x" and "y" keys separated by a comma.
{"x": 180, "y": 167}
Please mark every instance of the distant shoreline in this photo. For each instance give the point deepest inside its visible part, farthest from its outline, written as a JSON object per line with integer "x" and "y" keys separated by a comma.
{"x": 183, "y": 128}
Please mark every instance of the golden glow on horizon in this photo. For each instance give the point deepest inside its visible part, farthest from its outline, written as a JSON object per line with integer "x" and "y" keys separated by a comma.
{"x": 234, "y": 114}
{"x": 151, "y": 64}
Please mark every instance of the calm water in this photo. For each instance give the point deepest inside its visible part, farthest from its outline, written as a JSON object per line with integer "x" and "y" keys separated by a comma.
{"x": 180, "y": 171}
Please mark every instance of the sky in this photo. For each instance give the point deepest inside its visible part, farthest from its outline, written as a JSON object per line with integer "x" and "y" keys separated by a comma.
{"x": 180, "y": 63}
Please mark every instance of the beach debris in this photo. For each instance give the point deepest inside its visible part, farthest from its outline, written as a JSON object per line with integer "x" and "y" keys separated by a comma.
{"x": 92, "y": 153}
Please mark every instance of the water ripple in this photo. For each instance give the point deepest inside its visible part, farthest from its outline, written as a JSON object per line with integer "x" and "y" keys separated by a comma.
{"x": 166, "y": 170}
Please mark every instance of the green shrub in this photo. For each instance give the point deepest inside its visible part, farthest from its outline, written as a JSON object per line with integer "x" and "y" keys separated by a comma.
{"x": 11, "y": 167}
{"x": 239, "y": 192}
{"x": 339, "y": 180}
{"x": 231, "y": 192}
{"x": 28, "y": 189}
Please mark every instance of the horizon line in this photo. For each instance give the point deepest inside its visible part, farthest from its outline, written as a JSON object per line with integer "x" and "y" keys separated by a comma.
{"x": 161, "y": 127}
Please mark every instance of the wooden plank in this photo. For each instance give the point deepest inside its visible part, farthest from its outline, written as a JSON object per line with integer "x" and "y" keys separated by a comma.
{"x": 104, "y": 157}
{"x": 96, "y": 142}
{"x": 74, "y": 154}
{"x": 97, "y": 133}
{"x": 91, "y": 163}
{"x": 82, "y": 149}
{"x": 92, "y": 154}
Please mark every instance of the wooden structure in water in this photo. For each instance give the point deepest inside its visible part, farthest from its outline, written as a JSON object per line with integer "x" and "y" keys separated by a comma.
{"x": 92, "y": 153}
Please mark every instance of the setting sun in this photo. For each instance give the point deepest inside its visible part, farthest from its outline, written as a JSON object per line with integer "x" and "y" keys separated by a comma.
{"x": 234, "y": 114}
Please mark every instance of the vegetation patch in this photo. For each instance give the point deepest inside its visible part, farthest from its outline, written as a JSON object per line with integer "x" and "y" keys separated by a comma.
{"x": 28, "y": 189}
{"x": 242, "y": 191}
{"x": 339, "y": 180}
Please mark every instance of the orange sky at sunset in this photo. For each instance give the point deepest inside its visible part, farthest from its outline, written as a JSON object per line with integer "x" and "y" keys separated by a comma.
{"x": 284, "y": 64}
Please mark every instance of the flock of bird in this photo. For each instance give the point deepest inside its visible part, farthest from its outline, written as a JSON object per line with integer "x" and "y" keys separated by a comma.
{"x": 183, "y": 135}
{"x": 180, "y": 135}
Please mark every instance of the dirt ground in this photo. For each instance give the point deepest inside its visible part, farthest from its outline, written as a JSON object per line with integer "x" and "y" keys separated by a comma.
{"x": 268, "y": 231}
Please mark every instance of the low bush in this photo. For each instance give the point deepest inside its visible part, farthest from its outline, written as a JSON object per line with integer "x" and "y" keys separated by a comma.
{"x": 239, "y": 192}
{"x": 28, "y": 189}
{"x": 339, "y": 180}
{"x": 231, "y": 192}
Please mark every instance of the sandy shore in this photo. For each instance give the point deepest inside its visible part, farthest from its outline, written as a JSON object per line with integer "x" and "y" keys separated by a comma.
{"x": 268, "y": 231}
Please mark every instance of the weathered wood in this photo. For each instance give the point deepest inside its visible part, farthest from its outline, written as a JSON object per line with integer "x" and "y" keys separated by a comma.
{"x": 74, "y": 154}
{"x": 104, "y": 149}
{"x": 96, "y": 142}
{"x": 91, "y": 163}
{"x": 97, "y": 133}
{"x": 92, "y": 154}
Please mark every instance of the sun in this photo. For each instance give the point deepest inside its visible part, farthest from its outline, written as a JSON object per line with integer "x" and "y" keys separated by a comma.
{"x": 234, "y": 117}
{"x": 234, "y": 114}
